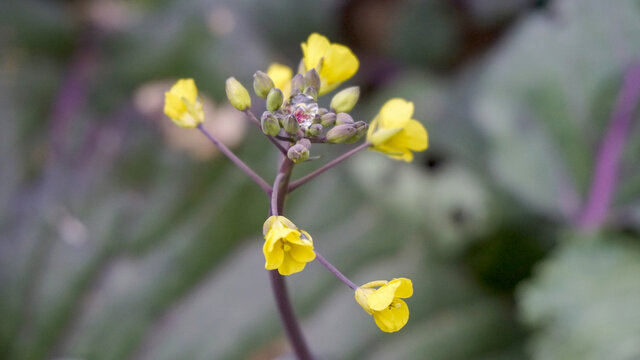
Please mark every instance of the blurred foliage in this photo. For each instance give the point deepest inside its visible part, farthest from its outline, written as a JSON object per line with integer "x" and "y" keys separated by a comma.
{"x": 116, "y": 244}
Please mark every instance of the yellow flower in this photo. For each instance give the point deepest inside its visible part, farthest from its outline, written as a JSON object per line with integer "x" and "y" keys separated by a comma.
{"x": 286, "y": 248}
{"x": 182, "y": 105}
{"x": 335, "y": 63}
{"x": 395, "y": 133}
{"x": 281, "y": 76}
{"x": 385, "y": 303}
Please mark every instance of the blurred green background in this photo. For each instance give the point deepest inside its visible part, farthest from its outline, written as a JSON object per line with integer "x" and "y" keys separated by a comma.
{"x": 125, "y": 237}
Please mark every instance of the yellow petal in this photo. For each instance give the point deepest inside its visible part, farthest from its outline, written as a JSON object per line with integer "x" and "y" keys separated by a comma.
{"x": 302, "y": 253}
{"x": 405, "y": 289}
{"x": 361, "y": 295}
{"x": 314, "y": 50}
{"x": 373, "y": 284}
{"x": 413, "y": 137}
{"x": 395, "y": 113}
{"x": 339, "y": 64}
{"x": 273, "y": 255}
{"x": 174, "y": 106}
{"x": 185, "y": 88}
{"x": 290, "y": 266}
{"x": 382, "y": 297}
{"x": 281, "y": 76}
{"x": 394, "y": 318}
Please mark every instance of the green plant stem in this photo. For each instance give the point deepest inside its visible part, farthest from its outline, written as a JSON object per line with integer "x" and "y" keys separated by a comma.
{"x": 297, "y": 183}
{"x": 278, "y": 284}
{"x": 236, "y": 160}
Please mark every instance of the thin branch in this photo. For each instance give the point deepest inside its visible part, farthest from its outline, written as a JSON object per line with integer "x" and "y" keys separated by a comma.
{"x": 236, "y": 160}
{"x": 607, "y": 164}
{"x": 295, "y": 184}
{"x": 335, "y": 271}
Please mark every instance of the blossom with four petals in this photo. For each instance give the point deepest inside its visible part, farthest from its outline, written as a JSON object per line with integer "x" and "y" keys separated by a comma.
{"x": 182, "y": 105}
{"x": 285, "y": 247}
{"x": 395, "y": 133}
{"x": 383, "y": 300}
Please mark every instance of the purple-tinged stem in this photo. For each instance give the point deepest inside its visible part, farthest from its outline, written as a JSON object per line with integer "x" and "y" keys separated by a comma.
{"x": 295, "y": 184}
{"x": 236, "y": 160}
{"x": 278, "y": 284}
{"x": 335, "y": 271}
{"x": 607, "y": 164}
{"x": 256, "y": 122}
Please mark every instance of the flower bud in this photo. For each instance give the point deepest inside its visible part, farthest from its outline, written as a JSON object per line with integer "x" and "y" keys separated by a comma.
{"x": 328, "y": 119}
{"x": 312, "y": 79}
{"x": 305, "y": 142}
{"x": 297, "y": 84}
{"x": 341, "y": 133}
{"x": 262, "y": 83}
{"x": 322, "y": 111}
{"x": 290, "y": 124}
{"x": 343, "y": 118}
{"x": 345, "y": 100}
{"x": 274, "y": 99}
{"x": 298, "y": 153}
{"x": 312, "y": 92}
{"x": 361, "y": 129}
{"x": 270, "y": 125}
{"x": 314, "y": 130}
{"x": 236, "y": 93}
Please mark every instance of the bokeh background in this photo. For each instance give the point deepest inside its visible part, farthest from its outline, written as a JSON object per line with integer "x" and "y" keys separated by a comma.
{"x": 125, "y": 237}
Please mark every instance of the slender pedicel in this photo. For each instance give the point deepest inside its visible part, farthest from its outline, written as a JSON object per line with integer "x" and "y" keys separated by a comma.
{"x": 335, "y": 271}
{"x": 295, "y": 184}
{"x": 236, "y": 160}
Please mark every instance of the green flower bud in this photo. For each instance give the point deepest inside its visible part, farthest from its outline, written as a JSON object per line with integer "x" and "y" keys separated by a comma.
{"x": 262, "y": 83}
{"x": 274, "y": 99}
{"x": 345, "y": 100}
{"x": 290, "y": 124}
{"x": 236, "y": 93}
{"x": 343, "y": 118}
{"x": 270, "y": 125}
{"x": 341, "y": 133}
{"x": 298, "y": 153}
{"x": 297, "y": 84}
{"x": 361, "y": 129}
{"x": 314, "y": 130}
{"x": 328, "y": 119}
{"x": 322, "y": 111}
{"x": 310, "y": 91}
{"x": 312, "y": 79}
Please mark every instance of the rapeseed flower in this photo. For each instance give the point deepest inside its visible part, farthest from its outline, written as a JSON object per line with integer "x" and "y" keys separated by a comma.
{"x": 335, "y": 63}
{"x": 182, "y": 105}
{"x": 285, "y": 247}
{"x": 395, "y": 133}
{"x": 383, "y": 300}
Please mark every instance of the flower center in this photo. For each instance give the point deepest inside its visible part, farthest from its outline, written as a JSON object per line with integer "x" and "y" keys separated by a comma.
{"x": 304, "y": 109}
{"x": 286, "y": 247}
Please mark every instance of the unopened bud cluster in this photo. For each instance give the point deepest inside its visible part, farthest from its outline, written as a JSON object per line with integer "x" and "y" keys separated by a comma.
{"x": 298, "y": 117}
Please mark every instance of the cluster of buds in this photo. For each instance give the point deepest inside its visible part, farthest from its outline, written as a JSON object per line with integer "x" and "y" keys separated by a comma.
{"x": 293, "y": 121}
{"x": 298, "y": 117}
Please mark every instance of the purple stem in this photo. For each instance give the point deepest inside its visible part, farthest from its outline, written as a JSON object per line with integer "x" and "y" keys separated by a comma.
{"x": 335, "y": 271}
{"x": 236, "y": 160}
{"x": 607, "y": 164}
{"x": 278, "y": 284}
{"x": 295, "y": 184}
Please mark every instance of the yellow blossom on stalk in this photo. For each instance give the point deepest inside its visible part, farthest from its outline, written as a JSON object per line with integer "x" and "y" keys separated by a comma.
{"x": 395, "y": 133}
{"x": 281, "y": 76}
{"x": 182, "y": 105}
{"x": 383, "y": 300}
{"x": 285, "y": 247}
{"x": 335, "y": 63}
